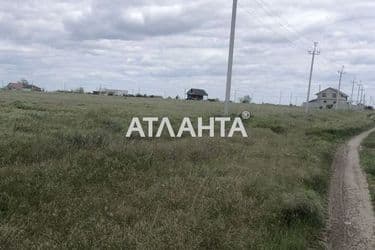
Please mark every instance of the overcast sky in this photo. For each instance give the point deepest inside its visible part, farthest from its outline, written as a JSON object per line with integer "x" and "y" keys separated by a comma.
{"x": 166, "y": 46}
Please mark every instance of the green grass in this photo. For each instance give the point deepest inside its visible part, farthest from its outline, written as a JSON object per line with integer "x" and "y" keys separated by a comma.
{"x": 70, "y": 179}
{"x": 368, "y": 163}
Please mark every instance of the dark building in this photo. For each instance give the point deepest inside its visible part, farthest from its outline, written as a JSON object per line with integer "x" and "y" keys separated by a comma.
{"x": 196, "y": 94}
{"x": 23, "y": 85}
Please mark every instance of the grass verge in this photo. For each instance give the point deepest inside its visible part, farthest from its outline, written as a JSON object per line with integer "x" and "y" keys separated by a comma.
{"x": 368, "y": 163}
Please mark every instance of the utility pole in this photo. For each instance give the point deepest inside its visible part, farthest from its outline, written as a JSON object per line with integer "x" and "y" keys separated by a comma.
{"x": 230, "y": 58}
{"x": 313, "y": 53}
{"x": 352, "y": 97}
{"x": 362, "y": 93}
{"x": 359, "y": 90}
{"x": 341, "y": 72}
{"x": 364, "y": 99}
{"x": 291, "y": 99}
{"x": 281, "y": 96}
{"x": 235, "y": 95}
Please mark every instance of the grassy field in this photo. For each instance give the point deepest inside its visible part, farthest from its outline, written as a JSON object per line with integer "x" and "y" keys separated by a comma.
{"x": 70, "y": 179}
{"x": 368, "y": 163}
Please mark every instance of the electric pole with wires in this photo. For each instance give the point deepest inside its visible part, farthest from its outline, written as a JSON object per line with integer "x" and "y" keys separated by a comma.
{"x": 341, "y": 73}
{"x": 313, "y": 53}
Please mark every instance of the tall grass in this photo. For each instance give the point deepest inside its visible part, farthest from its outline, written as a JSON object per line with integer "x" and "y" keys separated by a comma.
{"x": 368, "y": 163}
{"x": 70, "y": 179}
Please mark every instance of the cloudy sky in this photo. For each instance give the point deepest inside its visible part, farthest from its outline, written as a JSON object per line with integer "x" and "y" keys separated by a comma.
{"x": 166, "y": 46}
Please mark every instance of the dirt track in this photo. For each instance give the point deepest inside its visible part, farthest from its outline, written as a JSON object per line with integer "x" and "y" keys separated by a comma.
{"x": 351, "y": 218}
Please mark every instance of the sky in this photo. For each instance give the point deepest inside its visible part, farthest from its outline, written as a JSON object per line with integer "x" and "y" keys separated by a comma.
{"x": 165, "y": 47}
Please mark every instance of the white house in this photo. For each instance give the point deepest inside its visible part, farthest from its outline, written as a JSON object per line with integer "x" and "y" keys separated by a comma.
{"x": 326, "y": 99}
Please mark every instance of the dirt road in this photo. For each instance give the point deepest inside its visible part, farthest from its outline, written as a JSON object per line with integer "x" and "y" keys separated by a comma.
{"x": 351, "y": 218}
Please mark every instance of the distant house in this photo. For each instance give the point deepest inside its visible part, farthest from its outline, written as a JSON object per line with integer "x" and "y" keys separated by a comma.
{"x": 326, "y": 99}
{"x": 23, "y": 85}
{"x": 111, "y": 92}
{"x": 196, "y": 94}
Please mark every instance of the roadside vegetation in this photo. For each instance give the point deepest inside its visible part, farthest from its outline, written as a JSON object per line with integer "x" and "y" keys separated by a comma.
{"x": 368, "y": 163}
{"x": 70, "y": 179}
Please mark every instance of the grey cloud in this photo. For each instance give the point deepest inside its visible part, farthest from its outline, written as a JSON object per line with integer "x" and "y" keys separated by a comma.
{"x": 133, "y": 22}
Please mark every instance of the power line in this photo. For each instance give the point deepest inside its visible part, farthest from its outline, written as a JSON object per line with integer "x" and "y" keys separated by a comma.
{"x": 271, "y": 13}
{"x": 260, "y": 21}
{"x": 297, "y": 40}
{"x": 293, "y": 44}
{"x": 283, "y": 23}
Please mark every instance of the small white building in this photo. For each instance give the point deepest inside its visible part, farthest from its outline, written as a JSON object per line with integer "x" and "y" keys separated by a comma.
{"x": 326, "y": 99}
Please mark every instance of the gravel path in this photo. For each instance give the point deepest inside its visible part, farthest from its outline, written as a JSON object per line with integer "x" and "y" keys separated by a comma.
{"x": 351, "y": 217}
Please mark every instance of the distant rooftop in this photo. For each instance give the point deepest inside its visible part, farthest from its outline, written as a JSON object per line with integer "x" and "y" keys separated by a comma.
{"x": 334, "y": 90}
{"x": 199, "y": 92}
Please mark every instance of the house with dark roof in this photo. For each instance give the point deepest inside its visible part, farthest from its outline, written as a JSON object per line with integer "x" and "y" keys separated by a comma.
{"x": 196, "y": 94}
{"x": 23, "y": 85}
{"x": 327, "y": 99}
